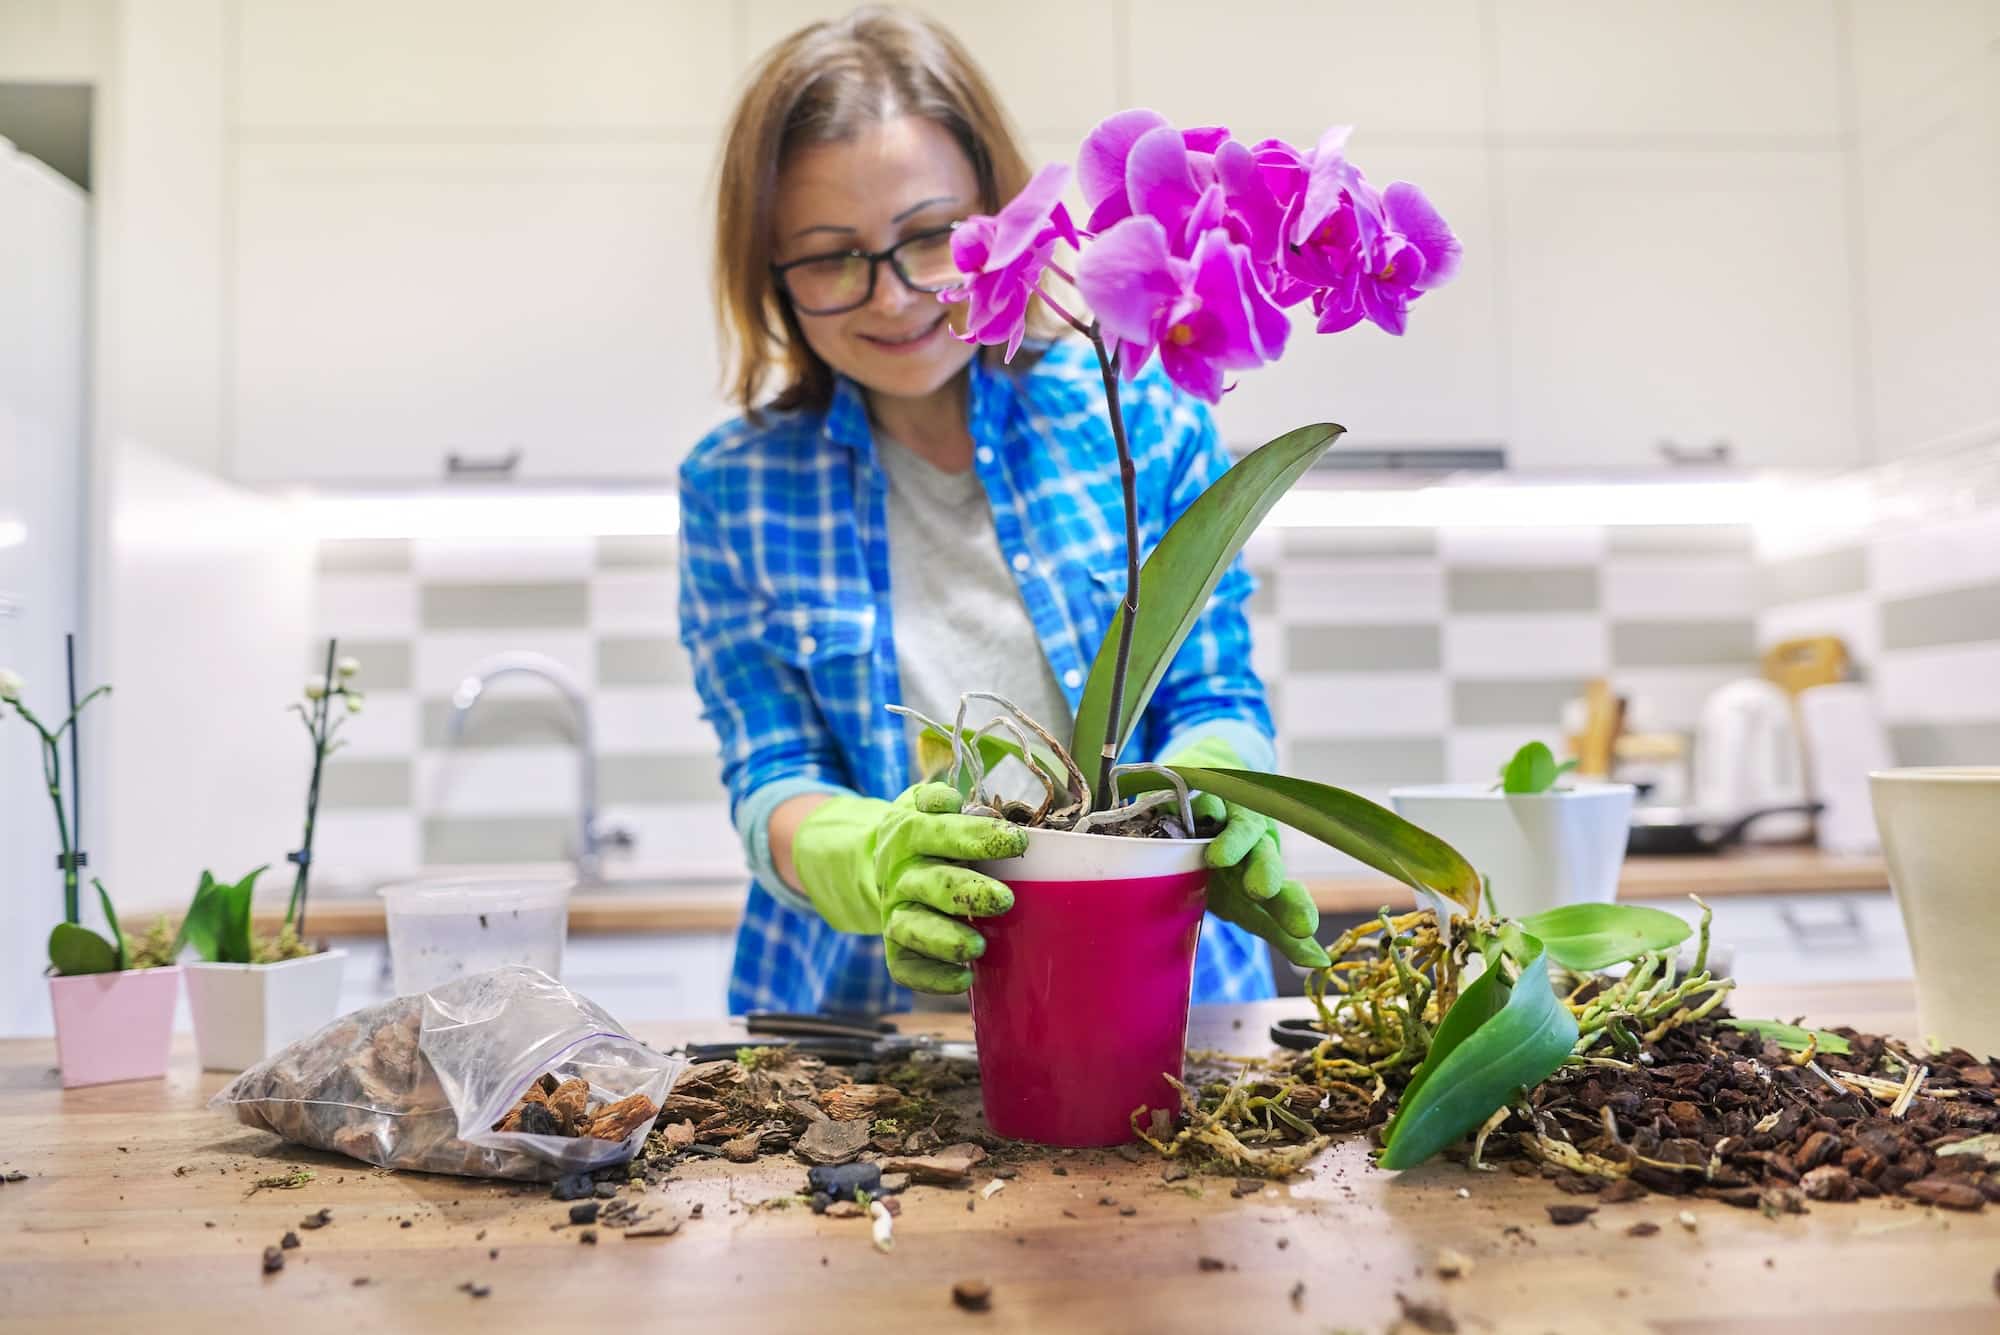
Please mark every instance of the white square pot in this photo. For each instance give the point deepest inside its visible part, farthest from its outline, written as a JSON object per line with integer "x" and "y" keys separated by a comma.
{"x": 245, "y": 1012}
{"x": 1539, "y": 850}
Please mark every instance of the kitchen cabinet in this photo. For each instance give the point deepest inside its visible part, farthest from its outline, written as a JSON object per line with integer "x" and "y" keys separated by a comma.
{"x": 397, "y": 305}
{"x": 1675, "y": 69}
{"x": 495, "y": 68}
{"x": 1682, "y": 295}
{"x": 1440, "y": 383}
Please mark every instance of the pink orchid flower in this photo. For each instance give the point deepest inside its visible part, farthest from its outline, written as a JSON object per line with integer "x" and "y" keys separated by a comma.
{"x": 1004, "y": 255}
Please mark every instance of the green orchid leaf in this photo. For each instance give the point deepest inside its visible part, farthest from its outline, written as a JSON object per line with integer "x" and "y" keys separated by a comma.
{"x": 111, "y": 919}
{"x": 1354, "y": 825}
{"x": 1482, "y": 999}
{"x": 1177, "y": 579}
{"x": 1583, "y": 937}
{"x": 218, "y": 919}
{"x": 1532, "y": 770}
{"x": 77, "y": 950}
{"x": 1793, "y": 1037}
{"x": 1514, "y": 1048}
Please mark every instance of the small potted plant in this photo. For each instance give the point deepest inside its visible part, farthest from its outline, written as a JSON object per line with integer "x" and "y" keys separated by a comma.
{"x": 1540, "y": 843}
{"x": 113, "y": 1005}
{"x": 253, "y": 996}
{"x": 1195, "y": 244}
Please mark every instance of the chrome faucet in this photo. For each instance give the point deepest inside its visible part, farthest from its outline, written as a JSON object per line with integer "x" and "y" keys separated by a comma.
{"x": 590, "y": 840}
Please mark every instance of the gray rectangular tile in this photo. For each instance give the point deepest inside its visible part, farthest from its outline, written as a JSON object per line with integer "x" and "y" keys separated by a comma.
{"x": 1949, "y": 616}
{"x": 474, "y": 839}
{"x": 660, "y": 779}
{"x": 1678, "y": 540}
{"x": 1683, "y": 643}
{"x": 1795, "y": 579}
{"x": 349, "y": 784}
{"x": 504, "y": 606}
{"x": 1946, "y": 743}
{"x": 1521, "y": 589}
{"x": 385, "y": 664}
{"x": 1264, "y": 599}
{"x": 642, "y": 660}
{"x": 374, "y": 556}
{"x": 1359, "y": 542}
{"x": 1362, "y": 648}
{"x": 622, "y": 553}
{"x": 1528, "y": 703}
{"x": 1367, "y": 762}
{"x": 502, "y": 720}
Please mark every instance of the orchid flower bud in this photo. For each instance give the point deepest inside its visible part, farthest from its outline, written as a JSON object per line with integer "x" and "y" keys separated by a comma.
{"x": 315, "y": 689}
{"x": 348, "y": 667}
{"x": 11, "y": 685}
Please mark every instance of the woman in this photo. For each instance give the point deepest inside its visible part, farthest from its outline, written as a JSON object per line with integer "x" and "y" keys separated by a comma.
{"x": 905, "y": 520}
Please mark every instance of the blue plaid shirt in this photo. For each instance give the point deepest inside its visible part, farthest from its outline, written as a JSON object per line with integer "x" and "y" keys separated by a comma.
{"x": 785, "y": 611}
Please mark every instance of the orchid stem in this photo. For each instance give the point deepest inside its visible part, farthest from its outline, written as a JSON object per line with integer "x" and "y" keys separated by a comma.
{"x": 1107, "y": 363}
{"x": 1057, "y": 307}
{"x": 295, "y": 912}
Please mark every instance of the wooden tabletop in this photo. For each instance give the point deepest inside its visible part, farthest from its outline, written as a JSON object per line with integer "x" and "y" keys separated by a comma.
{"x": 710, "y": 906}
{"x": 135, "y": 1217}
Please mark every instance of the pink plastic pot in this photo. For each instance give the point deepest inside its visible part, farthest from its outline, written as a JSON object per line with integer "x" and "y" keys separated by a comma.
{"x": 114, "y": 1026}
{"x": 1080, "y": 1003}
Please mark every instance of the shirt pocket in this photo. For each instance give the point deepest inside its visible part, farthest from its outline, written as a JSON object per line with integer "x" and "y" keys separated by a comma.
{"x": 814, "y": 635}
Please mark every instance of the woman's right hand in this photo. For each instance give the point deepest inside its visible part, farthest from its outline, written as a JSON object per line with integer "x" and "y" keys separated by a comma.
{"x": 895, "y": 868}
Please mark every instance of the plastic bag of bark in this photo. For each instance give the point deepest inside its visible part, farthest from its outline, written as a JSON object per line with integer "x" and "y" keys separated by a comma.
{"x": 502, "y": 1074}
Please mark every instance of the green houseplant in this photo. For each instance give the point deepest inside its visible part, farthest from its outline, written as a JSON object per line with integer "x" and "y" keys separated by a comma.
{"x": 251, "y": 996}
{"x": 113, "y": 1002}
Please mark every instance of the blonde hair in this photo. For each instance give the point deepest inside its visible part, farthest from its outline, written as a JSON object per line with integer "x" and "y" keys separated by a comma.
{"x": 824, "y": 84}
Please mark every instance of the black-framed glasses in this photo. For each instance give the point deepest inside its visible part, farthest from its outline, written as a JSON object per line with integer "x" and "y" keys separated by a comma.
{"x": 845, "y": 280}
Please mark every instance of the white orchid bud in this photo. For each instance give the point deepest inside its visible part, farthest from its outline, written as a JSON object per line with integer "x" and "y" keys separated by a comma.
{"x": 11, "y": 685}
{"x": 315, "y": 689}
{"x": 348, "y": 667}
{"x": 354, "y": 704}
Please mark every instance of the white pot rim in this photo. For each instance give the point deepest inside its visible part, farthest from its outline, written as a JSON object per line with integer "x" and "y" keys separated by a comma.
{"x": 214, "y": 966}
{"x": 1064, "y": 855}
{"x": 475, "y": 894}
{"x": 1490, "y": 792}
{"x": 115, "y": 973}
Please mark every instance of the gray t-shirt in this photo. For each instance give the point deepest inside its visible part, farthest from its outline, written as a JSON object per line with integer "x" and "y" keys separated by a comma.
{"x": 960, "y": 622}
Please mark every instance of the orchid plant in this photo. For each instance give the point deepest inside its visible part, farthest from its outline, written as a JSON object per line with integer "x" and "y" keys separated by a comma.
{"x": 1195, "y": 247}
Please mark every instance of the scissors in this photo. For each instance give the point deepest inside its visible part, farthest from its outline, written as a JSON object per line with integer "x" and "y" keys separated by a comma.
{"x": 833, "y": 1037}
{"x": 1300, "y": 1033}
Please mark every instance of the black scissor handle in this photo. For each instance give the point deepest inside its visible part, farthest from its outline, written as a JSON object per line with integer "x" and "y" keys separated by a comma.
{"x": 1299, "y": 1033}
{"x": 832, "y": 1024}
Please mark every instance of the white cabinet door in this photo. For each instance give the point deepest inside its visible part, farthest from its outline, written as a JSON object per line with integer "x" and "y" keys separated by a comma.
{"x": 1439, "y": 383}
{"x": 1690, "y": 296}
{"x": 512, "y": 68}
{"x": 1934, "y": 340}
{"x": 394, "y": 305}
{"x": 1584, "y": 69}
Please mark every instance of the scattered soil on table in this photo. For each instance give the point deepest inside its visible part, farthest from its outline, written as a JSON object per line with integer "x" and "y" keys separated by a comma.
{"x": 973, "y": 1295}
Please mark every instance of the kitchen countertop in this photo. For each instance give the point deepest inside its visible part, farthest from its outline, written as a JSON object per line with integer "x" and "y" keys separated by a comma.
{"x": 135, "y": 1216}
{"x": 710, "y": 905}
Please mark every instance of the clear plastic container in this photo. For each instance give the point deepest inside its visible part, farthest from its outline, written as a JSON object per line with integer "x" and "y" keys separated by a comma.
{"x": 446, "y": 929}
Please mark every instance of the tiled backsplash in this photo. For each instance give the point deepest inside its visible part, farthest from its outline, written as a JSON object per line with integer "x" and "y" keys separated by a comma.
{"x": 1392, "y": 656}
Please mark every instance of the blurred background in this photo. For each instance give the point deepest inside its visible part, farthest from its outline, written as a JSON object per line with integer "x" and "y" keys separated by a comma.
{"x": 391, "y": 322}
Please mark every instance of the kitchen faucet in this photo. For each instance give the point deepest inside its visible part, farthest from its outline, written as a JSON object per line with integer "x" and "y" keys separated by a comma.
{"x": 590, "y": 841}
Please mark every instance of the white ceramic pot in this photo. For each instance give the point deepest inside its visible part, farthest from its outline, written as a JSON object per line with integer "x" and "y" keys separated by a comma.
{"x": 1940, "y": 830}
{"x": 1539, "y": 850}
{"x": 245, "y": 1012}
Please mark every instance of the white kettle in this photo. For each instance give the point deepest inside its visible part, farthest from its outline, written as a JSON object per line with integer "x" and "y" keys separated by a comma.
{"x": 1747, "y": 755}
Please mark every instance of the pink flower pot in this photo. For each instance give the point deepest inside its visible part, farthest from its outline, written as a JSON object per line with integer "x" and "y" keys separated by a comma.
{"x": 114, "y": 1026}
{"x": 1080, "y": 1003}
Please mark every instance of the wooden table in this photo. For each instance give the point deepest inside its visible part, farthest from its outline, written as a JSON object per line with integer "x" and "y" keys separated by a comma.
{"x": 136, "y": 1218}
{"x": 712, "y": 906}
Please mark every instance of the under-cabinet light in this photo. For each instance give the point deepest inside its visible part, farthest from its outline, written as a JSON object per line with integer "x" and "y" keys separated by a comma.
{"x": 12, "y": 533}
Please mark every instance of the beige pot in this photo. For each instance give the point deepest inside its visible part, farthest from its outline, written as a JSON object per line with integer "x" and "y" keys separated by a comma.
{"x": 1940, "y": 831}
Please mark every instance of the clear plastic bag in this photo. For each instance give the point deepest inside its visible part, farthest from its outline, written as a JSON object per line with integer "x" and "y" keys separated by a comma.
{"x": 420, "y": 1082}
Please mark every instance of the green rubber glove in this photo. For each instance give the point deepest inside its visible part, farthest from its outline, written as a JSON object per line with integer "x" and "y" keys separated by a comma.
{"x": 1246, "y": 879}
{"x": 871, "y": 866}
